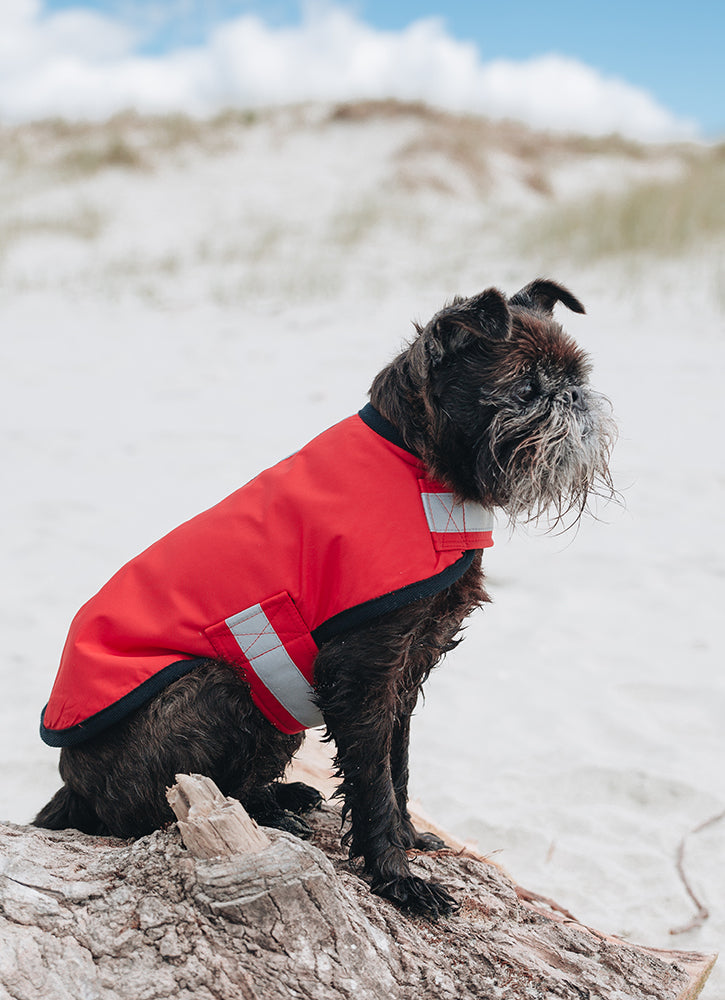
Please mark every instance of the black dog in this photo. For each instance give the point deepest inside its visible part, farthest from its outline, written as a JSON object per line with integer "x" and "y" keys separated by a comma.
{"x": 491, "y": 399}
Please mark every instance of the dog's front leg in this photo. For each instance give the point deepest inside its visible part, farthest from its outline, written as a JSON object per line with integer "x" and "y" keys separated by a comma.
{"x": 358, "y": 699}
{"x": 425, "y": 841}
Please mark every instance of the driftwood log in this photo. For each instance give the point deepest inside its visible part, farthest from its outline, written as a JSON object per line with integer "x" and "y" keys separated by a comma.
{"x": 216, "y": 908}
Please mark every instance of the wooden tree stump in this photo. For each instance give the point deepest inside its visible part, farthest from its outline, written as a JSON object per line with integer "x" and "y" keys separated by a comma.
{"x": 231, "y": 911}
{"x": 212, "y": 825}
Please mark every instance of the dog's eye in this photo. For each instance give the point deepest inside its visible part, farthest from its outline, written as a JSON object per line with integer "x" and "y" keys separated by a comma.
{"x": 526, "y": 391}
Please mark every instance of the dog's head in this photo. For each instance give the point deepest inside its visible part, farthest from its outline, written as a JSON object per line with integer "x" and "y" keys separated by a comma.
{"x": 496, "y": 400}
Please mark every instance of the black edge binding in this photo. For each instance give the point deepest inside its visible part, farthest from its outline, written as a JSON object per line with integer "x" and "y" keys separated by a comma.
{"x": 377, "y": 422}
{"x": 362, "y": 613}
{"x": 119, "y": 709}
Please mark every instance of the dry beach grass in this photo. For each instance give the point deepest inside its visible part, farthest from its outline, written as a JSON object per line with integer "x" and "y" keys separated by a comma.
{"x": 627, "y": 205}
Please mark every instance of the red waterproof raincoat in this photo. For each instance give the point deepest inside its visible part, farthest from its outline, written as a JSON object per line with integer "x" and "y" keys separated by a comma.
{"x": 346, "y": 529}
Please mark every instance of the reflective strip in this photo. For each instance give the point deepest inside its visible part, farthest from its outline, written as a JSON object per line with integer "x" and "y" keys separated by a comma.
{"x": 445, "y": 516}
{"x": 267, "y": 656}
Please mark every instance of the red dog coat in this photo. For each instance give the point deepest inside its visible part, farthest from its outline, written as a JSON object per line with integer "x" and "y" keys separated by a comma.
{"x": 346, "y": 529}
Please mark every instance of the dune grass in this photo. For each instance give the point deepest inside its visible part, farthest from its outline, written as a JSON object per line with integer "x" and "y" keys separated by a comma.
{"x": 126, "y": 141}
{"x": 661, "y": 218}
{"x": 493, "y": 182}
{"x": 84, "y": 224}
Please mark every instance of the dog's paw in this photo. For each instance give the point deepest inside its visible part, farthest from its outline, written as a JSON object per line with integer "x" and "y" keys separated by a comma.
{"x": 428, "y": 899}
{"x": 290, "y": 823}
{"x": 297, "y": 797}
{"x": 428, "y": 841}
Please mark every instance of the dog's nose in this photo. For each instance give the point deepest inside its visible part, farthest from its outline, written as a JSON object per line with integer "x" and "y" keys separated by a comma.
{"x": 575, "y": 397}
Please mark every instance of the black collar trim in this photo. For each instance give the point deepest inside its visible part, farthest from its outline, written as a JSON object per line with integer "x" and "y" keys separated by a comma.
{"x": 377, "y": 422}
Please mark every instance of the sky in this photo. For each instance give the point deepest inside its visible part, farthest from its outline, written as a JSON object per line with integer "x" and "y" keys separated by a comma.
{"x": 650, "y": 70}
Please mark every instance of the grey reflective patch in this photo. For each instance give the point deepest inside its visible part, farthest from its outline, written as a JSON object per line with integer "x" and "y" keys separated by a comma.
{"x": 257, "y": 639}
{"x": 444, "y": 515}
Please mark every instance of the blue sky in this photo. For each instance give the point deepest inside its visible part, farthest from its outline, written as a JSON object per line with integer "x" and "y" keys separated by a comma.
{"x": 670, "y": 50}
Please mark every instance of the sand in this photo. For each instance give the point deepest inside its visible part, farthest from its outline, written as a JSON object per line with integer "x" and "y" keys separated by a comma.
{"x": 176, "y": 320}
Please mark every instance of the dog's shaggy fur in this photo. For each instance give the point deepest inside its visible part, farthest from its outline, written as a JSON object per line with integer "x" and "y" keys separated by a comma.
{"x": 495, "y": 398}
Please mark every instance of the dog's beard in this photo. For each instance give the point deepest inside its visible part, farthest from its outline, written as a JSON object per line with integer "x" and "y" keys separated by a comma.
{"x": 550, "y": 457}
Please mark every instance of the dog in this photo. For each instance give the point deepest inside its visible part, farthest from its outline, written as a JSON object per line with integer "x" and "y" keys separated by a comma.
{"x": 325, "y": 591}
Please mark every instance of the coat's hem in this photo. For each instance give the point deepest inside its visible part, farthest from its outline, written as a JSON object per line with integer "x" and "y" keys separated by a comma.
{"x": 95, "y": 724}
{"x": 351, "y": 618}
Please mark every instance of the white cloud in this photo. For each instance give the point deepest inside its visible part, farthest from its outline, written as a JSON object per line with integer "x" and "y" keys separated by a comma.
{"x": 82, "y": 64}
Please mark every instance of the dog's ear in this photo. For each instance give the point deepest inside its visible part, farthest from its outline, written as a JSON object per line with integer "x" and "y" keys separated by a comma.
{"x": 486, "y": 316}
{"x": 542, "y": 295}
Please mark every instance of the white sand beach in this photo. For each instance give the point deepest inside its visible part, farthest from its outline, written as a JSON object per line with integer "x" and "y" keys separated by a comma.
{"x": 183, "y": 303}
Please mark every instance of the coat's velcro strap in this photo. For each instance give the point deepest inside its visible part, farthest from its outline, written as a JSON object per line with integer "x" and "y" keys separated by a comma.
{"x": 455, "y": 524}
{"x": 273, "y": 647}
